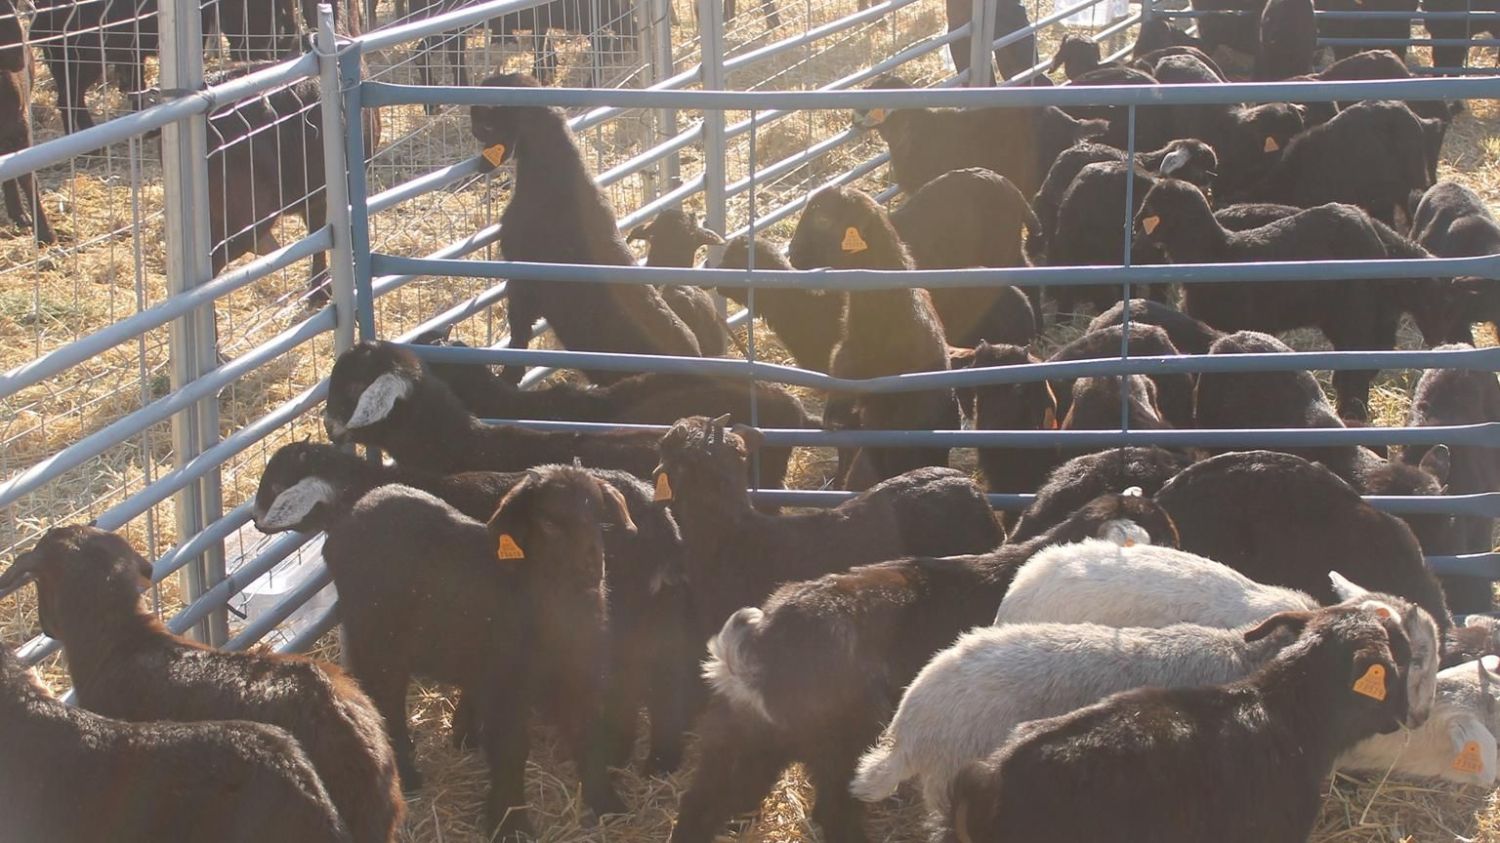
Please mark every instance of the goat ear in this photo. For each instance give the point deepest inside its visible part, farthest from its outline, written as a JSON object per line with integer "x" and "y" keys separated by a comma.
{"x": 709, "y": 237}
{"x": 1174, "y": 161}
{"x": 296, "y": 504}
{"x": 1373, "y": 674}
{"x": 1345, "y": 589}
{"x": 1294, "y": 621}
{"x": 617, "y": 510}
{"x": 379, "y": 398}
{"x": 754, "y": 439}
{"x": 640, "y": 232}
{"x": 1437, "y": 462}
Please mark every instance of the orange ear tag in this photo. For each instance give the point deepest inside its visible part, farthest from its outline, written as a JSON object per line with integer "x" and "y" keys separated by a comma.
{"x": 874, "y": 117}
{"x": 1468, "y": 759}
{"x": 1271, "y": 145}
{"x": 663, "y": 488}
{"x": 852, "y": 241}
{"x": 1372, "y": 684}
{"x": 1150, "y": 223}
{"x": 1049, "y": 419}
{"x": 495, "y": 154}
{"x": 508, "y": 548}
{"x": 1129, "y": 543}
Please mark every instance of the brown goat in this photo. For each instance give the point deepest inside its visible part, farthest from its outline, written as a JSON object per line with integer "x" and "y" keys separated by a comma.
{"x": 125, "y": 664}
{"x": 63, "y": 767}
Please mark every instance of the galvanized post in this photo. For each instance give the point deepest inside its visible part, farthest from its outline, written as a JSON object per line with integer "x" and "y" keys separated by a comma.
{"x": 981, "y": 44}
{"x": 659, "y": 19}
{"x": 711, "y": 69}
{"x": 341, "y": 259}
{"x": 350, "y": 68}
{"x": 191, "y": 339}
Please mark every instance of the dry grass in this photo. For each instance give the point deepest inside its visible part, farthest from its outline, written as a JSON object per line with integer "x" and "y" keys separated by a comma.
{"x": 106, "y": 208}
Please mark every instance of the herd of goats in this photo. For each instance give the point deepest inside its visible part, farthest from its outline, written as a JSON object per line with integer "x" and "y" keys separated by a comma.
{"x": 1165, "y": 645}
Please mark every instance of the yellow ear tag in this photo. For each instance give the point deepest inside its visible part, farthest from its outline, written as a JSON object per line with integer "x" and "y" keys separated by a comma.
{"x": 874, "y": 117}
{"x": 1129, "y": 543}
{"x": 1372, "y": 684}
{"x": 1468, "y": 759}
{"x": 852, "y": 241}
{"x": 508, "y": 548}
{"x": 495, "y": 154}
{"x": 1150, "y": 223}
{"x": 1271, "y": 145}
{"x": 1049, "y": 419}
{"x": 663, "y": 488}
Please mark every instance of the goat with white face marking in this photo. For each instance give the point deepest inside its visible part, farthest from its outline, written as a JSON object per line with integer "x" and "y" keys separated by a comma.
{"x": 309, "y": 487}
{"x": 379, "y": 394}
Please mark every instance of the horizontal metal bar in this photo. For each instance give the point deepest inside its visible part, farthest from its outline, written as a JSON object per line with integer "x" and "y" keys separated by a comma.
{"x": 786, "y": 210}
{"x": 872, "y": 13}
{"x": 389, "y": 282}
{"x": 635, "y": 164}
{"x": 46, "y": 470}
{"x": 127, "y": 126}
{"x": 1483, "y": 565}
{"x": 870, "y": 279}
{"x": 460, "y": 18}
{"x": 238, "y": 580}
{"x": 376, "y": 94}
{"x": 1413, "y": 15}
{"x": 1030, "y": 31}
{"x": 284, "y": 609}
{"x": 1474, "y": 359}
{"x": 435, "y": 180}
{"x": 1375, "y": 43}
{"x": 57, "y": 361}
{"x": 309, "y": 635}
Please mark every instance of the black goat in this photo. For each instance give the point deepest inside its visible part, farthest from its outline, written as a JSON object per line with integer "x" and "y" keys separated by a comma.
{"x": 1372, "y": 154}
{"x": 62, "y": 771}
{"x": 380, "y": 395}
{"x": 886, "y": 332}
{"x": 1018, "y": 143}
{"x": 813, "y": 675}
{"x": 1392, "y": 28}
{"x": 1288, "y": 39}
{"x": 808, "y": 322}
{"x": 124, "y": 664}
{"x": 965, "y": 218}
{"x": 1175, "y": 391}
{"x": 557, "y": 213}
{"x": 16, "y": 74}
{"x": 1188, "y": 334}
{"x": 1363, "y": 314}
{"x": 1452, "y": 221}
{"x": 311, "y": 487}
{"x": 1083, "y": 478}
{"x": 1013, "y": 406}
{"x": 1014, "y": 58}
{"x": 674, "y": 238}
{"x": 1282, "y": 520}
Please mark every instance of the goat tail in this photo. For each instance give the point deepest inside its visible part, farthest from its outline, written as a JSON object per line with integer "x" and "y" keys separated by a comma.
{"x": 880, "y": 772}
{"x": 730, "y": 668}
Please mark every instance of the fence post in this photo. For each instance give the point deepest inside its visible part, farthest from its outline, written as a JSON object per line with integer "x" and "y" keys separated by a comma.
{"x": 350, "y": 70}
{"x": 711, "y": 70}
{"x": 981, "y": 44}
{"x": 659, "y": 18}
{"x": 192, "y": 340}
{"x": 341, "y": 259}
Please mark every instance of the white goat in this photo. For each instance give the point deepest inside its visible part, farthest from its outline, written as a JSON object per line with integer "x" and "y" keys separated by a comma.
{"x": 1130, "y": 584}
{"x": 1457, "y": 743}
{"x": 965, "y": 702}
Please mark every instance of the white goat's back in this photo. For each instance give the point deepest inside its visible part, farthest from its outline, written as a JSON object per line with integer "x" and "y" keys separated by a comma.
{"x": 1142, "y": 585}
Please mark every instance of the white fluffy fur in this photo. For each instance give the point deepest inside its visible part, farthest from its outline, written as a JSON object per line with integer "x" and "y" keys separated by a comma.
{"x": 1464, "y": 711}
{"x": 1106, "y": 583}
{"x": 293, "y": 505}
{"x": 965, "y": 702}
{"x": 728, "y": 668}
{"x": 378, "y": 399}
